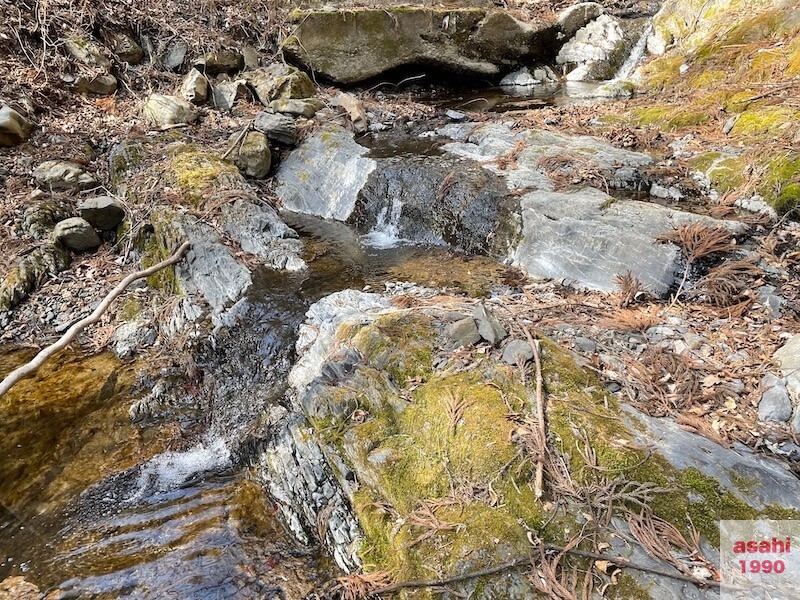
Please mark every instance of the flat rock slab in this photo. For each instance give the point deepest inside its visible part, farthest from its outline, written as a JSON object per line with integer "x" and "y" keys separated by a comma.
{"x": 102, "y": 212}
{"x": 63, "y": 175}
{"x": 587, "y": 237}
{"x": 351, "y": 45}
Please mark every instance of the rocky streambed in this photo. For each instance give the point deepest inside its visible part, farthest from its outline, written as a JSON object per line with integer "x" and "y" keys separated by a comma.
{"x": 338, "y": 388}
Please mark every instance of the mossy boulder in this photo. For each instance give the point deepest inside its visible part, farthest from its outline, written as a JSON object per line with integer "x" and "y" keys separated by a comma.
{"x": 279, "y": 81}
{"x": 199, "y": 174}
{"x": 351, "y": 45}
{"x": 22, "y": 280}
{"x": 432, "y": 458}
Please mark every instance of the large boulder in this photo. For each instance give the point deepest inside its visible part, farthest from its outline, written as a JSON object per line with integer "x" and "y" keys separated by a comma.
{"x": 14, "y": 128}
{"x": 577, "y": 16}
{"x": 351, "y": 45}
{"x": 63, "y": 175}
{"x": 395, "y": 459}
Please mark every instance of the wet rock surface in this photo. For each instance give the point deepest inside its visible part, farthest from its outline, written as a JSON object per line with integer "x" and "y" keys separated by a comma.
{"x": 352, "y": 45}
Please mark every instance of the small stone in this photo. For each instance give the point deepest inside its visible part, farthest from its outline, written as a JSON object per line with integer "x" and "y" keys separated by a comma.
{"x": 125, "y": 47}
{"x": 775, "y": 405}
{"x": 76, "y": 234}
{"x": 250, "y": 58}
{"x": 462, "y": 333}
{"x": 726, "y": 129}
{"x": 279, "y": 128}
{"x": 227, "y": 93}
{"x": 789, "y": 358}
{"x": 194, "y": 87}
{"x": 102, "y": 212}
{"x": 100, "y": 85}
{"x": 279, "y": 81}
{"x": 166, "y": 111}
{"x": 520, "y": 78}
{"x": 488, "y": 326}
{"x": 517, "y": 351}
{"x": 63, "y": 175}
{"x": 455, "y": 115}
{"x": 771, "y": 301}
{"x": 14, "y": 128}
{"x": 86, "y": 52}
{"x": 305, "y": 108}
{"x": 355, "y": 110}
{"x": 224, "y": 61}
{"x": 253, "y": 156}
{"x": 585, "y": 345}
{"x": 175, "y": 55}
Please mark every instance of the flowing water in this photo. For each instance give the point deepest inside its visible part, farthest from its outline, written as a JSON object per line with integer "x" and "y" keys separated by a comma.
{"x": 103, "y": 507}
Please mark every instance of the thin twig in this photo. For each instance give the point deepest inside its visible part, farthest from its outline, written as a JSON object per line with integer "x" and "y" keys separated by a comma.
{"x": 29, "y": 368}
{"x": 539, "y": 412}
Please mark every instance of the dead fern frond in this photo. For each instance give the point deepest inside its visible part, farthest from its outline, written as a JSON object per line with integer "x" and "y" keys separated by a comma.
{"x": 360, "y": 586}
{"x": 725, "y": 285}
{"x": 698, "y": 240}
{"x": 631, "y": 289}
{"x": 633, "y": 320}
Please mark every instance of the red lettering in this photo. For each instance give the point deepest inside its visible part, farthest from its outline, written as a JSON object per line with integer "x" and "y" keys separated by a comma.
{"x": 739, "y": 548}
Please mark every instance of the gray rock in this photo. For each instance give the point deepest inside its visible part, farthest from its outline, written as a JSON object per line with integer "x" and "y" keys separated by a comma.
{"x": 76, "y": 234}
{"x": 166, "y": 111}
{"x": 488, "y": 325}
{"x": 40, "y": 218}
{"x": 63, "y": 175}
{"x": 86, "y": 51}
{"x": 279, "y": 81}
{"x": 517, "y": 351}
{"x": 324, "y": 175}
{"x": 462, "y": 333}
{"x": 304, "y": 108}
{"x": 775, "y": 405}
{"x": 130, "y": 338}
{"x": 99, "y": 85}
{"x": 796, "y": 419}
{"x": 24, "y": 277}
{"x": 224, "y": 61}
{"x": 455, "y": 115}
{"x": 587, "y": 237}
{"x": 789, "y": 358}
{"x": 226, "y": 94}
{"x": 251, "y": 154}
{"x": 174, "y": 55}
{"x": 258, "y": 230}
{"x": 14, "y": 128}
{"x": 771, "y": 301}
{"x": 521, "y": 78}
{"x": 348, "y": 46}
{"x": 729, "y": 124}
{"x": 279, "y": 128}
{"x": 194, "y": 87}
{"x": 586, "y": 345}
{"x": 597, "y": 50}
{"x": 125, "y": 47}
{"x": 102, "y": 212}
{"x": 578, "y": 16}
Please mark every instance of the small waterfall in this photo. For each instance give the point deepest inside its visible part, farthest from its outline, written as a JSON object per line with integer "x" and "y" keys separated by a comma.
{"x": 636, "y": 54}
{"x": 386, "y": 232}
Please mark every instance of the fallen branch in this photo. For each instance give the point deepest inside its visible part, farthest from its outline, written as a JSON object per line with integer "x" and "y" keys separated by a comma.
{"x": 539, "y": 413}
{"x": 31, "y": 367}
{"x": 522, "y": 561}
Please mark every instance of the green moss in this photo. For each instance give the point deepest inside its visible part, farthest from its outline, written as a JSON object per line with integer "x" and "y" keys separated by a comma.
{"x": 724, "y": 173}
{"x": 196, "y": 172}
{"x": 131, "y": 309}
{"x": 765, "y": 121}
{"x": 669, "y": 117}
{"x": 662, "y": 72}
{"x": 157, "y": 247}
{"x": 627, "y": 589}
{"x": 780, "y": 185}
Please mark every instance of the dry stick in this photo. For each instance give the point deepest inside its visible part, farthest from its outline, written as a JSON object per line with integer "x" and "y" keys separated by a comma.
{"x": 539, "y": 412}
{"x": 519, "y": 562}
{"x": 238, "y": 141}
{"x": 29, "y": 368}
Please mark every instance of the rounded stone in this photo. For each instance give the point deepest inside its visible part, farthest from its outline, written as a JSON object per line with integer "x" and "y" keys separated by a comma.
{"x": 76, "y": 234}
{"x": 102, "y": 212}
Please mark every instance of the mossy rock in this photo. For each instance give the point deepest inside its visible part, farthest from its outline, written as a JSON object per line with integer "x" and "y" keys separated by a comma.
{"x": 437, "y": 478}
{"x": 198, "y": 173}
{"x": 765, "y": 122}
